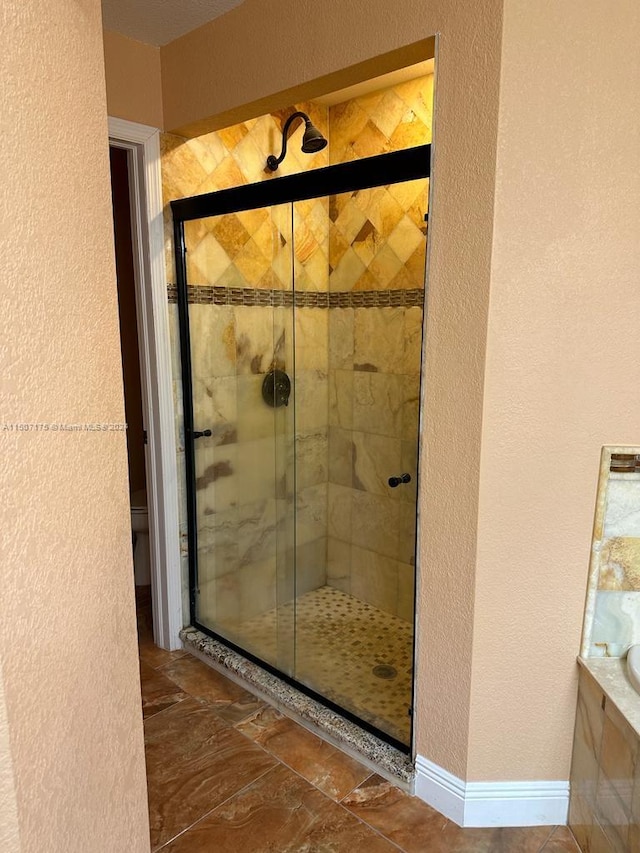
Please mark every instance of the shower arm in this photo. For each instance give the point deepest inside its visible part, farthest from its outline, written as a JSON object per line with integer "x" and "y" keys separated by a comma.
{"x": 274, "y": 162}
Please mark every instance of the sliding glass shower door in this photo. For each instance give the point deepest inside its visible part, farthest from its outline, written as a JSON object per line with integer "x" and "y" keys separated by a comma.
{"x": 301, "y": 330}
{"x": 241, "y": 352}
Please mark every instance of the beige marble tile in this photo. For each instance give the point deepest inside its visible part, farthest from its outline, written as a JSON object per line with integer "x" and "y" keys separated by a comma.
{"x": 206, "y": 262}
{"x": 311, "y": 450}
{"x": 388, "y": 112}
{"x": 215, "y": 407}
{"x": 339, "y": 565}
{"x": 611, "y": 816}
{"x": 341, "y": 340}
{"x": 586, "y": 745}
{"x": 256, "y": 466}
{"x": 256, "y": 339}
{"x": 227, "y": 597}
{"x": 378, "y": 403}
{"x": 312, "y": 339}
{"x": 375, "y": 459}
{"x": 375, "y": 523}
{"x": 379, "y": 338}
{"x": 311, "y": 565}
{"x": 230, "y": 233}
{"x": 213, "y": 341}
{"x": 218, "y": 548}
{"x": 622, "y": 514}
{"x": 619, "y": 755}
{"x": 311, "y": 399}
{"x": 348, "y": 271}
{"x": 341, "y": 384}
{"x": 385, "y": 266}
{"x": 405, "y": 238}
{"x": 315, "y": 271}
{"x": 412, "y": 340}
{"x": 408, "y": 192}
{"x": 381, "y": 209}
{"x": 374, "y": 579}
{"x": 250, "y": 158}
{"x": 616, "y": 620}
{"x": 256, "y": 531}
{"x": 341, "y": 450}
{"x": 340, "y": 503}
{"x": 338, "y": 244}
{"x": 217, "y": 481}
{"x": 254, "y": 419}
{"x": 257, "y": 584}
{"x": 311, "y": 513}
{"x": 581, "y": 820}
{"x": 620, "y": 563}
{"x": 346, "y": 121}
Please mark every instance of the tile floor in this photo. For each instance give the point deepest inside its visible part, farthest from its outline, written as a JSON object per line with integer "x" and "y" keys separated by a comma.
{"x": 335, "y": 647}
{"x": 226, "y": 772}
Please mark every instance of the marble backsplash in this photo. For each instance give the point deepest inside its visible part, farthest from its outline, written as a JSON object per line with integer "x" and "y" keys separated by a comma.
{"x": 612, "y": 619}
{"x": 353, "y": 418}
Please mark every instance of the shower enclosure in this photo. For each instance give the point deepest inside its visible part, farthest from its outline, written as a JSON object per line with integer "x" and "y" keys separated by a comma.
{"x": 300, "y": 307}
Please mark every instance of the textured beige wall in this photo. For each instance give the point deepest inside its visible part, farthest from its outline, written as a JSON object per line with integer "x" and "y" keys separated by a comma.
{"x": 303, "y": 44}
{"x": 67, "y": 633}
{"x": 134, "y": 86}
{"x": 562, "y": 363}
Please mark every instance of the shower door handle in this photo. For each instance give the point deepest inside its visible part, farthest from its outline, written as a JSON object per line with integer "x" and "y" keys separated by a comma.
{"x": 396, "y": 481}
{"x": 205, "y": 433}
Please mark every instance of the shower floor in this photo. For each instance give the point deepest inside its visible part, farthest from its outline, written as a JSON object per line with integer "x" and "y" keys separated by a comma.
{"x": 357, "y": 656}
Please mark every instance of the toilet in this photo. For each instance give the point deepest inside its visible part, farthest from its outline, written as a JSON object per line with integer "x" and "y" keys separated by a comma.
{"x": 140, "y": 531}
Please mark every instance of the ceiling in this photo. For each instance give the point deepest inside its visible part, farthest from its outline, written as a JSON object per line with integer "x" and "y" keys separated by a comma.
{"x": 160, "y": 21}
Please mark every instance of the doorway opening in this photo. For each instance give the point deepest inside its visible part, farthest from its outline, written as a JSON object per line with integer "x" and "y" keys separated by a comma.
{"x": 131, "y": 372}
{"x": 137, "y": 190}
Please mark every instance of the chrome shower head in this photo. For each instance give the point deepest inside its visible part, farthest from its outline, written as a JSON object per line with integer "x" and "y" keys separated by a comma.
{"x": 312, "y": 140}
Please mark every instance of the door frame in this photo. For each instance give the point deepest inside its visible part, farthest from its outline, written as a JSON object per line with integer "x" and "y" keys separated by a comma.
{"x": 142, "y": 143}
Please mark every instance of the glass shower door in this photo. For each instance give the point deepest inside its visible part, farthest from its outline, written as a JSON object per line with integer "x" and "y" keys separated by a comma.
{"x": 241, "y": 352}
{"x": 359, "y": 281}
{"x": 301, "y": 330}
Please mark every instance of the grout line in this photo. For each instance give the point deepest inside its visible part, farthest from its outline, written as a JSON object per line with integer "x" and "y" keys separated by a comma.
{"x": 547, "y": 839}
{"x": 168, "y": 708}
{"x": 215, "y": 808}
{"x": 355, "y": 787}
{"x": 173, "y": 660}
{"x": 297, "y": 772}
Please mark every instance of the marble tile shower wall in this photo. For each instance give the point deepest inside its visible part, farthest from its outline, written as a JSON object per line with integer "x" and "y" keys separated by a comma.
{"x": 244, "y": 500}
{"x": 612, "y": 620}
{"x": 377, "y": 242}
{"x": 357, "y": 368}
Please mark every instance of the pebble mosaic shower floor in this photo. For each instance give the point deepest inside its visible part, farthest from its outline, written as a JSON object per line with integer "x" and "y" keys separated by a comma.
{"x": 357, "y": 656}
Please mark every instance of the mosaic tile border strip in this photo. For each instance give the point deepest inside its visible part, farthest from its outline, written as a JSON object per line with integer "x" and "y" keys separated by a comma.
{"x": 251, "y": 297}
{"x": 625, "y": 463}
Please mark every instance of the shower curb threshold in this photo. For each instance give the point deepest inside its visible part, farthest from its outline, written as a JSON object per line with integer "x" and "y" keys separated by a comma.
{"x": 364, "y": 746}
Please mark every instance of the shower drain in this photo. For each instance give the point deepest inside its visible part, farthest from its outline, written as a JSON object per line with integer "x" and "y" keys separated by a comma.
{"x": 384, "y": 670}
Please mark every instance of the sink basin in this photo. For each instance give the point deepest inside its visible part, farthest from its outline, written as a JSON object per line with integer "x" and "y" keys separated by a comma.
{"x": 633, "y": 666}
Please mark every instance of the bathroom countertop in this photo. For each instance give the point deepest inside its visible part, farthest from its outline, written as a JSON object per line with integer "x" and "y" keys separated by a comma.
{"x": 611, "y": 676}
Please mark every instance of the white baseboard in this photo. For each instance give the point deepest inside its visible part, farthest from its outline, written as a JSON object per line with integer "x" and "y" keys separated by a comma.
{"x": 482, "y": 804}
